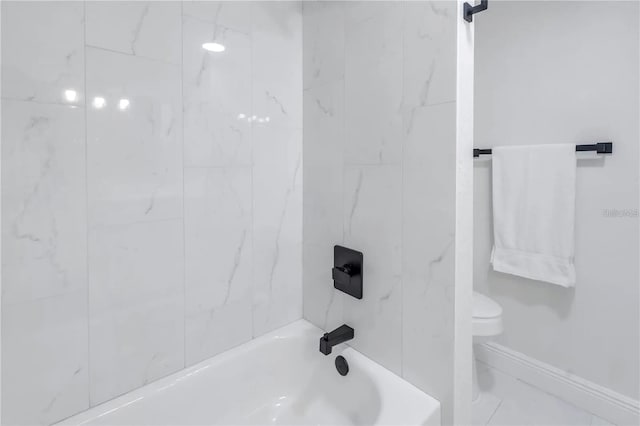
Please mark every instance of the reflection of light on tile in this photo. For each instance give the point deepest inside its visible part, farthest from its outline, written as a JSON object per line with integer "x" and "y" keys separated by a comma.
{"x": 71, "y": 95}
{"x": 213, "y": 47}
{"x": 123, "y": 104}
{"x": 253, "y": 118}
{"x": 99, "y": 102}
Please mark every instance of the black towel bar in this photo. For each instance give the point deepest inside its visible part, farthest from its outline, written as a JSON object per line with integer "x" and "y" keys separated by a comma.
{"x": 599, "y": 147}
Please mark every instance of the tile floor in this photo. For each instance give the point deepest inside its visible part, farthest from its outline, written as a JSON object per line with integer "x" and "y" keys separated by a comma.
{"x": 507, "y": 401}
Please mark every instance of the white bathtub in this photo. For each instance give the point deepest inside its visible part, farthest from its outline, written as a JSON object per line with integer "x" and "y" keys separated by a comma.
{"x": 280, "y": 378}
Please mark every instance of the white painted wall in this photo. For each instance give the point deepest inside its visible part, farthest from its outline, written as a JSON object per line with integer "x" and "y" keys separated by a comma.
{"x": 140, "y": 241}
{"x": 550, "y": 72}
{"x": 380, "y": 140}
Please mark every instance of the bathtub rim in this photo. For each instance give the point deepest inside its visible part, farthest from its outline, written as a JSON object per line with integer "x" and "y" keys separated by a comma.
{"x": 298, "y": 328}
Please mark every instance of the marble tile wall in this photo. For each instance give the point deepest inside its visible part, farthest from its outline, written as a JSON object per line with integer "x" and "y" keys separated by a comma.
{"x": 151, "y": 192}
{"x": 379, "y": 176}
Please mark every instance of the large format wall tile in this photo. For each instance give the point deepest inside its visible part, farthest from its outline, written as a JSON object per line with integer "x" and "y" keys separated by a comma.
{"x": 44, "y": 359}
{"x": 134, "y": 154}
{"x": 141, "y": 28}
{"x": 428, "y": 206}
{"x": 217, "y": 95}
{"x": 44, "y": 303}
{"x": 323, "y": 186}
{"x": 112, "y": 275}
{"x": 230, "y": 14}
{"x": 428, "y": 250}
{"x": 277, "y": 164}
{"x": 44, "y": 201}
{"x": 373, "y": 83}
{"x": 136, "y": 282}
{"x": 42, "y": 50}
{"x": 136, "y": 299}
{"x": 218, "y": 252}
{"x": 429, "y": 61}
{"x": 277, "y": 227}
{"x": 373, "y": 224}
{"x": 277, "y": 43}
{"x": 323, "y": 52}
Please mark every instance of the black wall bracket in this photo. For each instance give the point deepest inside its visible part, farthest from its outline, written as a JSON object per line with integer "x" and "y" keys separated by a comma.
{"x": 347, "y": 271}
{"x": 469, "y": 10}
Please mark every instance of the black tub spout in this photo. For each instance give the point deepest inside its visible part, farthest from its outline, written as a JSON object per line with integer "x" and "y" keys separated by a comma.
{"x": 337, "y": 336}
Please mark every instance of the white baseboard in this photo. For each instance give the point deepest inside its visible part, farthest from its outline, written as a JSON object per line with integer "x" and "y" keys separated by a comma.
{"x": 598, "y": 400}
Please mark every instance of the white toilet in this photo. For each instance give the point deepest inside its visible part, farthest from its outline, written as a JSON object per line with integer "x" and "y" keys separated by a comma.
{"x": 487, "y": 322}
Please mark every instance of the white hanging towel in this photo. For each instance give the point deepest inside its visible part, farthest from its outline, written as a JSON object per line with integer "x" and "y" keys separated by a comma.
{"x": 534, "y": 192}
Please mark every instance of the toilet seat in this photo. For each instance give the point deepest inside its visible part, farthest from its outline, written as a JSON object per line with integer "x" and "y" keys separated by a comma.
{"x": 487, "y": 316}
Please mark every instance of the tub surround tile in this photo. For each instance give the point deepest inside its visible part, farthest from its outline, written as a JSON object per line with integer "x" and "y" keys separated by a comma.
{"x": 277, "y": 227}
{"x": 44, "y": 201}
{"x": 44, "y": 359}
{"x": 212, "y": 330}
{"x": 44, "y": 312}
{"x": 359, "y": 11}
{"x": 428, "y": 269}
{"x": 149, "y": 29}
{"x": 44, "y": 303}
{"x": 234, "y": 15}
{"x": 323, "y": 53}
{"x": 323, "y": 305}
{"x": 324, "y": 130}
{"x": 136, "y": 296}
{"x": 323, "y": 185}
{"x": 371, "y": 201}
{"x": 277, "y": 43}
{"x": 277, "y": 164}
{"x": 113, "y": 275}
{"x": 217, "y": 96}
{"x": 429, "y": 45}
{"x": 218, "y": 253}
{"x": 379, "y": 149}
{"x": 135, "y": 153}
{"x": 373, "y": 59}
{"x": 42, "y": 51}
{"x": 136, "y": 255}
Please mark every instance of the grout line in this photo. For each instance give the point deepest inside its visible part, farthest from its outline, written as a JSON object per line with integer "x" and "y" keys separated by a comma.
{"x": 86, "y": 185}
{"x": 184, "y": 219}
{"x": 106, "y": 49}
{"x": 252, "y": 285}
{"x": 39, "y": 102}
{"x": 135, "y": 222}
{"x": 402, "y": 187}
{"x": 40, "y": 299}
{"x": 232, "y": 166}
{"x": 343, "y": 127}
{"x": 217, "y": 24}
